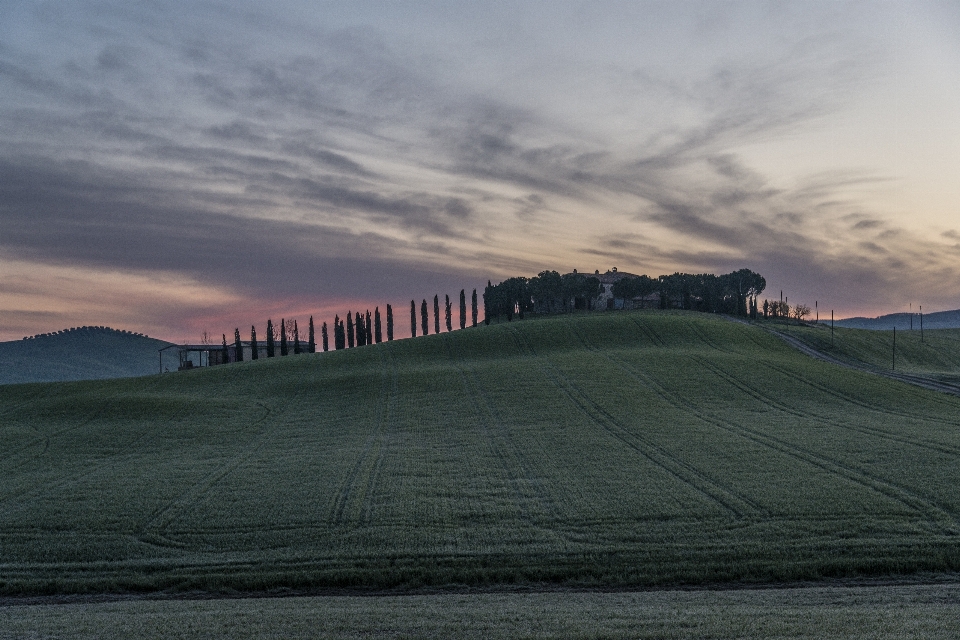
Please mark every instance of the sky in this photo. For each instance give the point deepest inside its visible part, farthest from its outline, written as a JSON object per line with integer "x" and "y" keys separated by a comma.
{"x": 180, "y": 167}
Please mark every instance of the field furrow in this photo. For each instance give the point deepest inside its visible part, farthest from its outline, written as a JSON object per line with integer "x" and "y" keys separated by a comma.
{"x": 684, "y": 473}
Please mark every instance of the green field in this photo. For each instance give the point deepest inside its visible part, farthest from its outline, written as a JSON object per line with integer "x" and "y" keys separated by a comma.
{"x": 635, "y": 448}
{"x": 935, "y": 353}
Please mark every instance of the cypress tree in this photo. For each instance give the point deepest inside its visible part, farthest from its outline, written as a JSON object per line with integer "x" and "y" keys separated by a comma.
{"x": 463, "y": 309}
{"x": 349, "y": 330}
{"x": 237, "y": 344}
{"x": 369, "y": 325}
{"x": 361, "y": 331}
{"x": 226, "y": 352}
{"x": 296, "y": 338}
{"x": 338, "y": 340}
{"x": 389, "y": 322}
{"x": 487, "y": 293}
{"x": 283, "y": 337}
{"x": 436, "y": 314}
{"x": 424, "y": 318}
{"x": 449, "y": 315}
{"x": 253, "y": 343}
{"x": 343, "y": 336}
{"x": 270, "y": 343}
{"x": 323, "y": 336}
{"x": 473, "y": 308}
{"x": 377, "y": 329}
{"x": 413, "y": 319}
{"x": 312, "y": 344}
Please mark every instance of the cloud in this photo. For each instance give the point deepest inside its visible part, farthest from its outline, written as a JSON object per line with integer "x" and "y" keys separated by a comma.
{"x": 252, "y": 150}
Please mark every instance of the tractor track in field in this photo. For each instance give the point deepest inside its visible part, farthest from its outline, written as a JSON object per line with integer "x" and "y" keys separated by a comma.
{"x": 45, "y": 437}
{"x": 35, "y": 490}
{"x": 45, "y": 391}
{"x": 855, "y": 401}
{"x": 833, "y": 393}
{"x": 153, "y": 528}
{"x": 690, "y": 469}
{"x": 805, "y": 348}
{"x": 779, "y": 406}
{"x": 506, "y": 451}
{"x": 840, "y": 395}
{"x": 684, "y": 473}
{"x": 388, "y": 437}
{"x": 904, "y": 496}
{"x": 371, "y": 456}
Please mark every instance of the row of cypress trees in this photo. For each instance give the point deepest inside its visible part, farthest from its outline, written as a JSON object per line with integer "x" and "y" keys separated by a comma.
{"x": 272, "y": 335}
{"x": 448, "y": 314}
{"x": 356, "y": 330}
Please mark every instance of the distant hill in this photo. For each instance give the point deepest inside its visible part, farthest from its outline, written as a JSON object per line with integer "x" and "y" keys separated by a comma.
{"x": 83, "y": 353}
{"x": 938, "y": 320}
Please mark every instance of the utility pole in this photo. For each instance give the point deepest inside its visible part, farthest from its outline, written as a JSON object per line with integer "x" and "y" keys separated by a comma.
{"x": 816, "y": 306}
{"x": 893, "y": 366}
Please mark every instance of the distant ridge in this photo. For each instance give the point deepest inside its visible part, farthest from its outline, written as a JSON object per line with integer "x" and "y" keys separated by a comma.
{"x": 79, "y": 353}
{"x": 938, "y": 320}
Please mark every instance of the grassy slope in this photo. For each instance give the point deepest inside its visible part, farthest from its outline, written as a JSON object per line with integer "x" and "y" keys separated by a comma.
{"x": 936, "y": 356}
{"x": 80, "y": 354}
{"x": 633, "y": 448}
{"x": 875, "y": 613}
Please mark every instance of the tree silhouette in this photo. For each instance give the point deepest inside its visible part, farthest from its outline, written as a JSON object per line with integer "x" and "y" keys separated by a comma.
{"x": 270, "y": 339}
{"x": 448, "y": 314}
{"x": 283, "y": 338}
{"x": 377, "y": 328}
{"x": 389, "y": 323}
{"x": 463, "y": 309}
{"x": 546, "y": 289}
{"x": 487, "y": 302}
{"x": 238, "y": 346}
{"x": 361, "y": 331}
{"x": 436, "y": 314}
{"x": 413, "y": 319}
{"x": 296, "y": 338}
{"x": 368, "y": 324}
{"x": 253, "y": 343}
{"x": 424, "y": 318}
{"x": 226, "y": 352}
{"x": 312, "y": 341}
{"x": 339, "y": 340}
{"x": 324, "y": 337}
{"x": 473, "y": 308}
{"x": 349, "y": 330}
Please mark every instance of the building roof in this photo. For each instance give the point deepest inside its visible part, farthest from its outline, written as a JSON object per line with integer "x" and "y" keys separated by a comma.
{"x": 610, "y": 277}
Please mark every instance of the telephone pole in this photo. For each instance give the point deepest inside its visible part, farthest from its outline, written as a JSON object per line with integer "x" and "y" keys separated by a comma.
{"x": 893, "y": 364}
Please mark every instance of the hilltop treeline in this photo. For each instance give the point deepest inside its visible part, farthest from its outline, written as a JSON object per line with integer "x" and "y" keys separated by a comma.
{"x": 549, "y": 292}
{"x": 100, "y": 329}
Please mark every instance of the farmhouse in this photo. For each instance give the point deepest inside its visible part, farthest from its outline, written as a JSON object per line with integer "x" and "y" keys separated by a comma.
{"x": 606, "y": 300}
{"x": 192, "y": 356}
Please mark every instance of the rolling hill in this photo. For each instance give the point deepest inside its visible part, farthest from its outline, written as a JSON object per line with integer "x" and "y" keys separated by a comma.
{"x": 83, "y": 353}
{"x": 636, "y": 448}
{"x": 904, "y": 321}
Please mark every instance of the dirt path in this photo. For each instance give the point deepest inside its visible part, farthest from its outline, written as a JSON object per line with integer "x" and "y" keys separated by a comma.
{"x": 803, "y": 347}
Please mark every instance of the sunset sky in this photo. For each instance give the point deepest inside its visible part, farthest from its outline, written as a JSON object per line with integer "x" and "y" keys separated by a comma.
{"x": 180, "y": 167}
